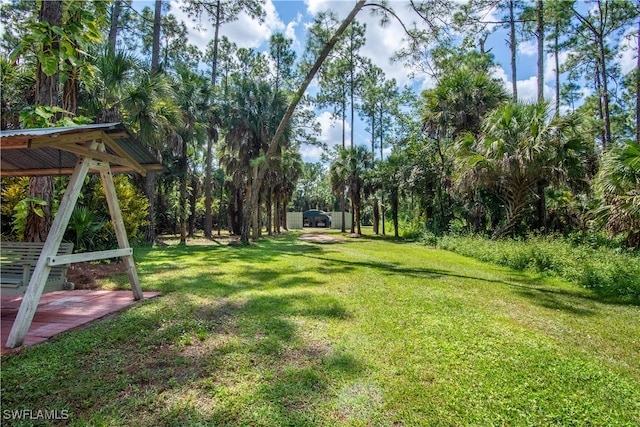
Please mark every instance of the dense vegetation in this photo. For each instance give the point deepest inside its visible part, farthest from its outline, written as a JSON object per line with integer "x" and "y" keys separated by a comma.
{"x": 464, "y": 156}
{"x": 367, "y": 331}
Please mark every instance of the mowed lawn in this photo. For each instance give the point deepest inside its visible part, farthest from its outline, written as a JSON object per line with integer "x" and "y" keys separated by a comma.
{"x": 362, "y": 332}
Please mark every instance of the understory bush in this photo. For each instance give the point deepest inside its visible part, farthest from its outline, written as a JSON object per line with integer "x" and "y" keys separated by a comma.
{"x": 611, "y": 271}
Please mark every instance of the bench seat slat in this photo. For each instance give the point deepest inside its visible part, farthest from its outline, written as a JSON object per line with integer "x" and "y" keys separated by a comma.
{"x": 17, "y": 257}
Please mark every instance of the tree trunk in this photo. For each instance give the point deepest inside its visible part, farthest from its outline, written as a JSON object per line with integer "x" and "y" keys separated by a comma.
{"x": 381, "y": 133}
{"x": 605, "y": 95}
{"x": 269, "y": 209}
{"x": 310, "y": 75}
{"x": 37, "y": 227}
{"x": 556, "y": 49}
{"x": 277, "y": 226}
{"x": 150, "y": 191}
{"x": 351, "y": 96}
{"x": 274, "y": 145}
{"x": 353, "y": 217}
{"x": 357, "y": 207}
{"x": 638, "y": 89}
{"x": 598, "y": 85}
{"x": 542, "y": 207}
{"x": 192, "y": 199}
{"x": 220, "y": 208}
{"x": 208, "y": 198}
{"x": 382, "y": 213}
{"x": 394, "y": 207}
{"x": 516, "y": 203}
{"x": 71, "y": 86}
{"x": 245, "y": 228}
{"x": 47, "y": 91}
{"x": 182, "y": 208}
{"x": 540, "y": 31}
{"x": 113, "y": 31}
{"x": 542, "y": 202}
{"x": 155, "y": 46}
{"x": 513, "y": 46}
{"x": 376, "y": 216}
{"x": 285, "y": 203}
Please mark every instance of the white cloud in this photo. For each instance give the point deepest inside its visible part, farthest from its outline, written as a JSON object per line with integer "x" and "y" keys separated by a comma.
{"x": 248, "y": 32}
{"x": 528, "y": 48}
{"x": 317, "y": 6}
{"x": 245, "y": 31}
{"x": 527, "y": 89}
{"x": 381, "y": 42}
{"x": 290, "y": 31}
{"x": 550, "y": 65}
{"x": 497, "y": 72}
{"x": 331, "y": 130}
{"x": 330, "y": 135}
{"x": 629, "y": 52}
{"x": 311, "y": 153}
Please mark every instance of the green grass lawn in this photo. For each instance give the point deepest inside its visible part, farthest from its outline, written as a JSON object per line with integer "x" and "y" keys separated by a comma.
{"x": 363, "y": 332}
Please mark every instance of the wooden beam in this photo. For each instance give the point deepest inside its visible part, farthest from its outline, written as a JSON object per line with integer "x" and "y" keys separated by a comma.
{"x": 35, "y": 172}
{"x": 74, "y": 138}
{"x": 53, "y": 261}
{"x": 123, "y": 153}
{"x": 87, "y": 152}
{"x": 118, "y": 134}
{"x": 14, "y": 142}
{"x": 121, "y": 232}
{"x": 69, "y": 171}
{"x": 41, "y": 270}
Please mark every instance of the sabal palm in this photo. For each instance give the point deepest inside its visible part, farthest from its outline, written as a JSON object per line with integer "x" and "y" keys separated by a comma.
{"x": 191, "y": 96}
{"x": 124, "y": 91}
{"x": 519, "y": 148}
{"x": 618, "y": 184}
{"x": 348, "y": 173}
{"x": 459, "y": 102}
{"x": 251, "y": 118}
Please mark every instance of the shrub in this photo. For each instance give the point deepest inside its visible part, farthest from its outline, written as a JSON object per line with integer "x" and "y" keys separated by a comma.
{"x": 611, "y": 271}
{"x": 133, "y": 204}
{"x": 14, "y": 190}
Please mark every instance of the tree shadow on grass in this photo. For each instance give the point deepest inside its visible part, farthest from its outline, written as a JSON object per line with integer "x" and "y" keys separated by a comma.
{"x": 579, "y": 301}
{"x": 184, "y": 359}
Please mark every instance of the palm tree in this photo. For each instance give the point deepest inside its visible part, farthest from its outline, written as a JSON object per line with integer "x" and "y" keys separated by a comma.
{"x": 192, "y": 98}
{"x": 348, "y": 173}
{"x": 459, "y": 102}
{"x": 520, "y": 148}
{"x": 252, "y": 117}
{"x": 391, "y": 177}
{"x": 618, "y": 184}
{"x": 122, "y": 91}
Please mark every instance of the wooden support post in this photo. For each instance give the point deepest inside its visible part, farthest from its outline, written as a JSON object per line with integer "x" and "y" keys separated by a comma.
{"x": 118, "y": 225}
{"x": 41, "y": 271}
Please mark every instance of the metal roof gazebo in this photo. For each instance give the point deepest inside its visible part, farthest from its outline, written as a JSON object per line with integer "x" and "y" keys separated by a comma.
{"x": 77, "y": 150}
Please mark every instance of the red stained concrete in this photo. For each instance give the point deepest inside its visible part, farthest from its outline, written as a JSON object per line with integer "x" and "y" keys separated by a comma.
{"x": 63, "y": 310}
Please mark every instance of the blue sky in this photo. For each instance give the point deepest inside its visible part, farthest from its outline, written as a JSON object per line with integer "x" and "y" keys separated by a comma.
{"x": 291, "y": 17}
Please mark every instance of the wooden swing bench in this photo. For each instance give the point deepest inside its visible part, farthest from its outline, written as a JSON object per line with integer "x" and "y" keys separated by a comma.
{"x": 17, "y": 263}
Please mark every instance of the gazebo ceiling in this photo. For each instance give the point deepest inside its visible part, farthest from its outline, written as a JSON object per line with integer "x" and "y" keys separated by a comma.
{"x": 55, "y": 151}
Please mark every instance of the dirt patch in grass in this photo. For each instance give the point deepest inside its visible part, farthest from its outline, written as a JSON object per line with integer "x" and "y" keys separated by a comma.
{"x": 320, "y": 238}
{"x": 85, "y": 275}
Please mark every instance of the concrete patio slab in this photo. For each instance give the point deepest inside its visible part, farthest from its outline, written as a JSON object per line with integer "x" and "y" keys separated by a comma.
{"x": 61, "y": 311}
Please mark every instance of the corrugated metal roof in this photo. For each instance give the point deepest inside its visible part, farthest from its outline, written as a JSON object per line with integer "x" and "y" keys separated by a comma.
{"x": 60, "y": 130}
{"x": 29, "y": 151}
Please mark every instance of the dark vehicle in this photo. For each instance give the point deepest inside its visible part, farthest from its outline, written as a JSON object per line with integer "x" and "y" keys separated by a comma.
{"x": 316, "y": 218}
